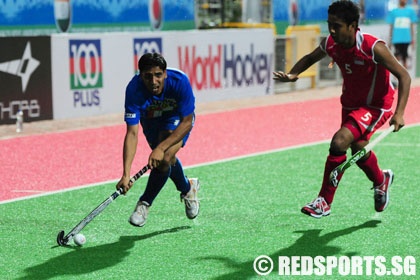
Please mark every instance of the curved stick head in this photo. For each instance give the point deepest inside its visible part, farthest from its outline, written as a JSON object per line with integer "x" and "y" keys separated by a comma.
{"x": 61, "y": 241}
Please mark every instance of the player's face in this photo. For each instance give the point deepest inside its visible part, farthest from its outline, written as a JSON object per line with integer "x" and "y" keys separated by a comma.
{"x": 154, "y": 79}
{"x": 341, "y": 32}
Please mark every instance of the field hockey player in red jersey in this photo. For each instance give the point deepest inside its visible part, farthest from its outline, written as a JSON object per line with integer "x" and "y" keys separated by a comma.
{"x": 367, "y": 96}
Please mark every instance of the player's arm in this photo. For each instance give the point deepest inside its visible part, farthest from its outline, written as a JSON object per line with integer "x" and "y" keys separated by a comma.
{"x": 304, "y": 63}
{"x": 384, "y": 56}
{"x": 129, "y": 151}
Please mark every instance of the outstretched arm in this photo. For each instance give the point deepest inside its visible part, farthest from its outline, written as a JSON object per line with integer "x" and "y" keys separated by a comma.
{"x": 300, "y": 66}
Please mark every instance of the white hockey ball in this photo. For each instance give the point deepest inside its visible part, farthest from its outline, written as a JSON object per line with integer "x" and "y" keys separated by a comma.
{"x": 79, "y": 239}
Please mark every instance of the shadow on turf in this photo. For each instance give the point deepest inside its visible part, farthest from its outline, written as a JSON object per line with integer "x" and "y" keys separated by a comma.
{"x": 84, "y": 260}
{"x": 311, "y": 243}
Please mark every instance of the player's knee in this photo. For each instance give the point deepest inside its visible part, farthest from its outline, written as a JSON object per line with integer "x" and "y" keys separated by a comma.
{"x": 168, "y": 160}
{"x": 355, "y": 147}
{"x": 341, "y": 142}
{"x": 335, "y": 151}
{"x": 338, "y": 146}
{"x": 172, "y": 161}
{"x": 163, "y": 166}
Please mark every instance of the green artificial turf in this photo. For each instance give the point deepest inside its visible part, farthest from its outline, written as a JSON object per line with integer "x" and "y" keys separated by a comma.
{"x": 249, "y": 207}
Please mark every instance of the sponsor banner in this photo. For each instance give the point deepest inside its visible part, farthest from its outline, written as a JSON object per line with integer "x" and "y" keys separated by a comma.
{"x": 25, "y": 78}
{"x": 142, "y": 45}
{"x": 91, "y": 71}
{"x": 222, "y": 64}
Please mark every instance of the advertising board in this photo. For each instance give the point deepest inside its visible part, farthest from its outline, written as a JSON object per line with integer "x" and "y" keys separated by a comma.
{"x": 91, "y": 71}
{"x": 25, "y": 78}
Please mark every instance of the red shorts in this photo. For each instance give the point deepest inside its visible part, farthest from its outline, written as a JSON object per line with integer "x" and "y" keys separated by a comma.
{"x": 364, "y": 121}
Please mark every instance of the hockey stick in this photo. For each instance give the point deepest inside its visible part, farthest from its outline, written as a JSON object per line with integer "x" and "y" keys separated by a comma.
{"x": 63, "y": 240}
{"x": 361, "y": 153}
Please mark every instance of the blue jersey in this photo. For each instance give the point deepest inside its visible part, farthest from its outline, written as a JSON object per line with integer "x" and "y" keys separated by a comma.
{"x": 176, "y": 101}
{"x": 402, "y": 19}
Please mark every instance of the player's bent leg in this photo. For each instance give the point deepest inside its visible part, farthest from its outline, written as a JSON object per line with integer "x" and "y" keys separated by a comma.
{"x": 317, "y": 208}
{"x": 178, "y": 177}
{"x": 188, "y": 187}
{"x": 155, "y": 183}
{"x": 381, "y": 192}
{"x": 339, "y": 145}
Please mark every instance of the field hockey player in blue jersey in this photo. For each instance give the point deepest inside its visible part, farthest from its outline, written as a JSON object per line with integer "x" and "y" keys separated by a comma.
{"x": 161, "y": 100}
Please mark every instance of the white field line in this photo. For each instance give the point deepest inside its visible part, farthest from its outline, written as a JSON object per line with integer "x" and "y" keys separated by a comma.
{"x": 41, "y": 193}
{"x": 44, "y": 193}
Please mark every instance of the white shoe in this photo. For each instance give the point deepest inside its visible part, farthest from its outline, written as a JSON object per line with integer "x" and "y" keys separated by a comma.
{"x": 139, "y": 216}
{"x": 192, "y": 205}
{"x": 317, "y": 208}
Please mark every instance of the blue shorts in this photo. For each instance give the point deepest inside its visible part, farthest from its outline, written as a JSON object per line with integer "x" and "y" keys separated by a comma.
{"x": 153, "y": 127}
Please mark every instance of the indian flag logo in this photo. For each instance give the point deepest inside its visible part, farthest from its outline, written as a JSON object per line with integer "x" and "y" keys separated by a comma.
{"x": 62, "y": 14}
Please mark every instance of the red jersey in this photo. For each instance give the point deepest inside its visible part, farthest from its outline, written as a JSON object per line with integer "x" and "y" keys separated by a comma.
{"x": 365, "y": 82}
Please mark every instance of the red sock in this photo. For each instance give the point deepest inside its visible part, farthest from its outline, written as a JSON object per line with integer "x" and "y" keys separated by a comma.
{"x": 371, "y": 168}
{"x": 327, "y": 189}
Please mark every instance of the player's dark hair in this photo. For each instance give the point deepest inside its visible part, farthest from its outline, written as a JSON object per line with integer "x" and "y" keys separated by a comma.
{"x": 346, "y": 10}
{"x": 150, "y": 60}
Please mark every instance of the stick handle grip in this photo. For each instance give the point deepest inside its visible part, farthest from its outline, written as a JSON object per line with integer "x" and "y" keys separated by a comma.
{"x": 139, "y": 174}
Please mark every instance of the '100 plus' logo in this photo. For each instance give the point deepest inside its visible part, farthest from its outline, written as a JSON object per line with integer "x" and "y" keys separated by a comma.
{"x": 85, "y": 72}
{"x": 223, "y": 66}
{"x": 145, "y": 45}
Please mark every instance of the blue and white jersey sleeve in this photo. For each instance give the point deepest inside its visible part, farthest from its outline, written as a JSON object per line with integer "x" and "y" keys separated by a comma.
{"x": 132, "y": 106}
